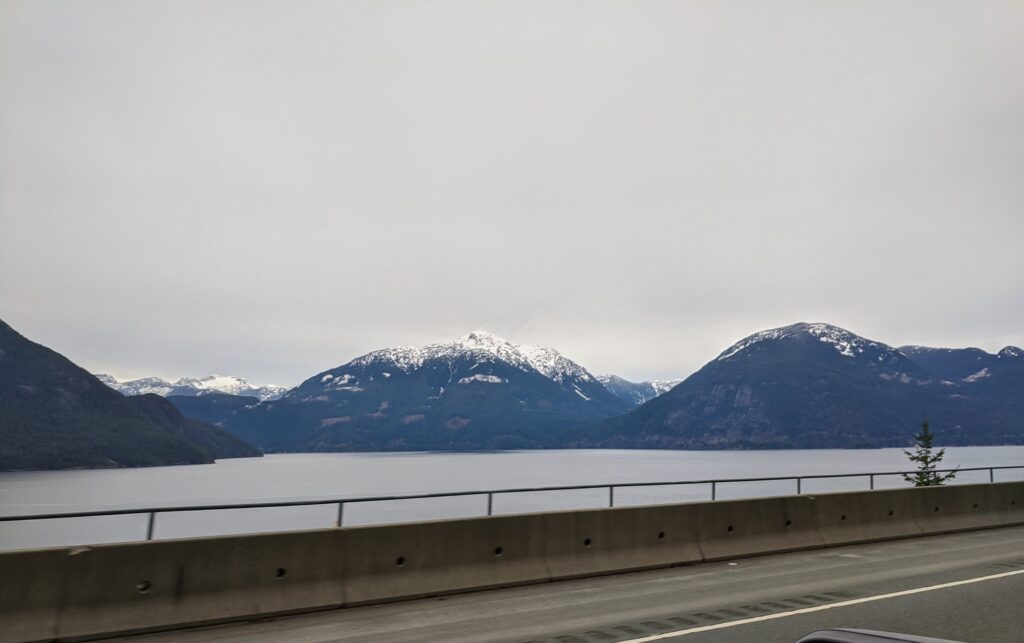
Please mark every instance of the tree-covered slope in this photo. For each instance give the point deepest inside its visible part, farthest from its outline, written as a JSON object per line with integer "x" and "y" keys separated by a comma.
{"x": 217, "y": 442}
{"x": 55, "y": 415}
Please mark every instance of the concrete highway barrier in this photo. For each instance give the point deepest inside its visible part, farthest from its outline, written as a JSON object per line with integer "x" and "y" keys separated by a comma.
{"x": 69, "y": 593}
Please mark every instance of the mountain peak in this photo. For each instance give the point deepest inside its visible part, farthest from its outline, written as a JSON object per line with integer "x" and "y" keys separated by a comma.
{"x": 482, "y": 337}
{"x": 1010, "y": 352}
{"x": 845, "y": 343}
{"x": 548, "y": 361}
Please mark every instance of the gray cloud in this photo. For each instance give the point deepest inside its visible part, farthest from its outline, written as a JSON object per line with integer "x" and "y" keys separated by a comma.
{"x": 270, "y": 189}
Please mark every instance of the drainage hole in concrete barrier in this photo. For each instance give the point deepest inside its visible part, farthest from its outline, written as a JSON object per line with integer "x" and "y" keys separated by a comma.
{"x": 789, "y": 523}
{"x": 498, "y": 551}
{"x": 1013, "y": 503}
{"x": 280, "y": 573}
{"x": 587, "y": 542}
{"x": 975, "y": 505}
{"x": 842, "y": 518}
{"x": 143, "y": 586}
{"x": 892, "y": 513}
{"x": 936, "y": 509}
{"x": 661, "y": 535}
{"x": 400, "y": 561}
{"x": 729, "y": 529}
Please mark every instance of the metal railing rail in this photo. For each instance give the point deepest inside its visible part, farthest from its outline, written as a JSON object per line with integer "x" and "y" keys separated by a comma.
{"x": 341, "y": 502}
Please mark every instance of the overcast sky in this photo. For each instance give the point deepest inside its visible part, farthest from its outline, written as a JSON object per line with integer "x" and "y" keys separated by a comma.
{"x": 270, "y": 189}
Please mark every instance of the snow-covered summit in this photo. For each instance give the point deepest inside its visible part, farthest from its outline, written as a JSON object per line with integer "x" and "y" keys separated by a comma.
{"x": 1010, "y": 352}
{"x": 843, "y": 341}
{"x": 481, "y": 345}
{"x": 229, "y": 384}
{"x": 141, "y": 386}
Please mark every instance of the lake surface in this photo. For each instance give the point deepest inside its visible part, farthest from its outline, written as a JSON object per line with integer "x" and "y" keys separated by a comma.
{"x": 353, "y": 475}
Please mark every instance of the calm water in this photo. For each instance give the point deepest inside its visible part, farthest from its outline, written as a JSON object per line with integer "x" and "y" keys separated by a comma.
{"x": 349, "y": 475}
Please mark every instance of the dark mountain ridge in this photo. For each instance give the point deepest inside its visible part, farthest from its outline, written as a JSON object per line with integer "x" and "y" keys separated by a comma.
{"x": 55, "y": 415}
{"x": 816, "y": 386}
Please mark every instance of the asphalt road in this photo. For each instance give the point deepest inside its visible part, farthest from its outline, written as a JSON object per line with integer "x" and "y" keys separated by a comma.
{"x": 967, "y": 587}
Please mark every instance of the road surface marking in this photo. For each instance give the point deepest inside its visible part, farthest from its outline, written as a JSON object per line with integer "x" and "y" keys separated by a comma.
{"x": 819, "y": 608}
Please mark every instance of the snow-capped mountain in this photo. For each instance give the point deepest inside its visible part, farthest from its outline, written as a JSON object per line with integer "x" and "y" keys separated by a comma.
{"x": 479, "y": 391}
{"x": 229, "y": 384}
{"x": 636, "y": 393}
{"x": 818, "y": 385}
{"x": 485, "y": 346}
{"x": 841, "y": 340}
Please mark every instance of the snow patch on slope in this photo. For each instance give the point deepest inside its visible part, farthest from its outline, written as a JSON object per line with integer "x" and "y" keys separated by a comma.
{"x": 980, "y": 375}
{"x": 487, "y": 379}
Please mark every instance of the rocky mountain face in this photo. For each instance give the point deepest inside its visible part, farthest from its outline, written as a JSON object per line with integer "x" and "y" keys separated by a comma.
{"x": 636, "y": 393}
{"x": 817, "y": 385}
{"x": 478, "y": 392}
{"x": 55, "y": 415}
{"x": 193, "y": 386}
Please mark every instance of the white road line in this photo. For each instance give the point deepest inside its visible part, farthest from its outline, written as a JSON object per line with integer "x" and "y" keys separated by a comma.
{"x": 819, "y": 608}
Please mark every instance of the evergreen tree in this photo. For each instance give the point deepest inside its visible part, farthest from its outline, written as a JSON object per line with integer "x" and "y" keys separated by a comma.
{"x": 927, "y": 461}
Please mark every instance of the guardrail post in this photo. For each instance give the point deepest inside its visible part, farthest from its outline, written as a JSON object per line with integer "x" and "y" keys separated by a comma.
{"x": 991, "y": 474}
{"x": 341, "y": 513}
{"x": 713, "y": 490}
{"x": 798, "y": 484}
{"x": 149, "y": 527}
{"x": 611, "y": 496}
{"x": 490, "y": 503}
{"x": 872, "y": 483}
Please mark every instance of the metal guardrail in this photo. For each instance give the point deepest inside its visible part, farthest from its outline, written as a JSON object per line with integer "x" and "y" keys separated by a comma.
{"x": 341, "y": 502}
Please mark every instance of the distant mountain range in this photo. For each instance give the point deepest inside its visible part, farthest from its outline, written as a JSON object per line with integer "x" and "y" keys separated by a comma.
{"x": 477, "y": 392}
{"x": 55, "y": 415}
{"x": 818, "y": 385}
{"x": 799, "y": 386}
{"x": 635, "y": 393}
{"x": 228, "y": 384}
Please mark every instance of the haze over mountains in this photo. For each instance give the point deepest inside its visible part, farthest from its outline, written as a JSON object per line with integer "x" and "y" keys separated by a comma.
{"x": 798, "y": 386}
